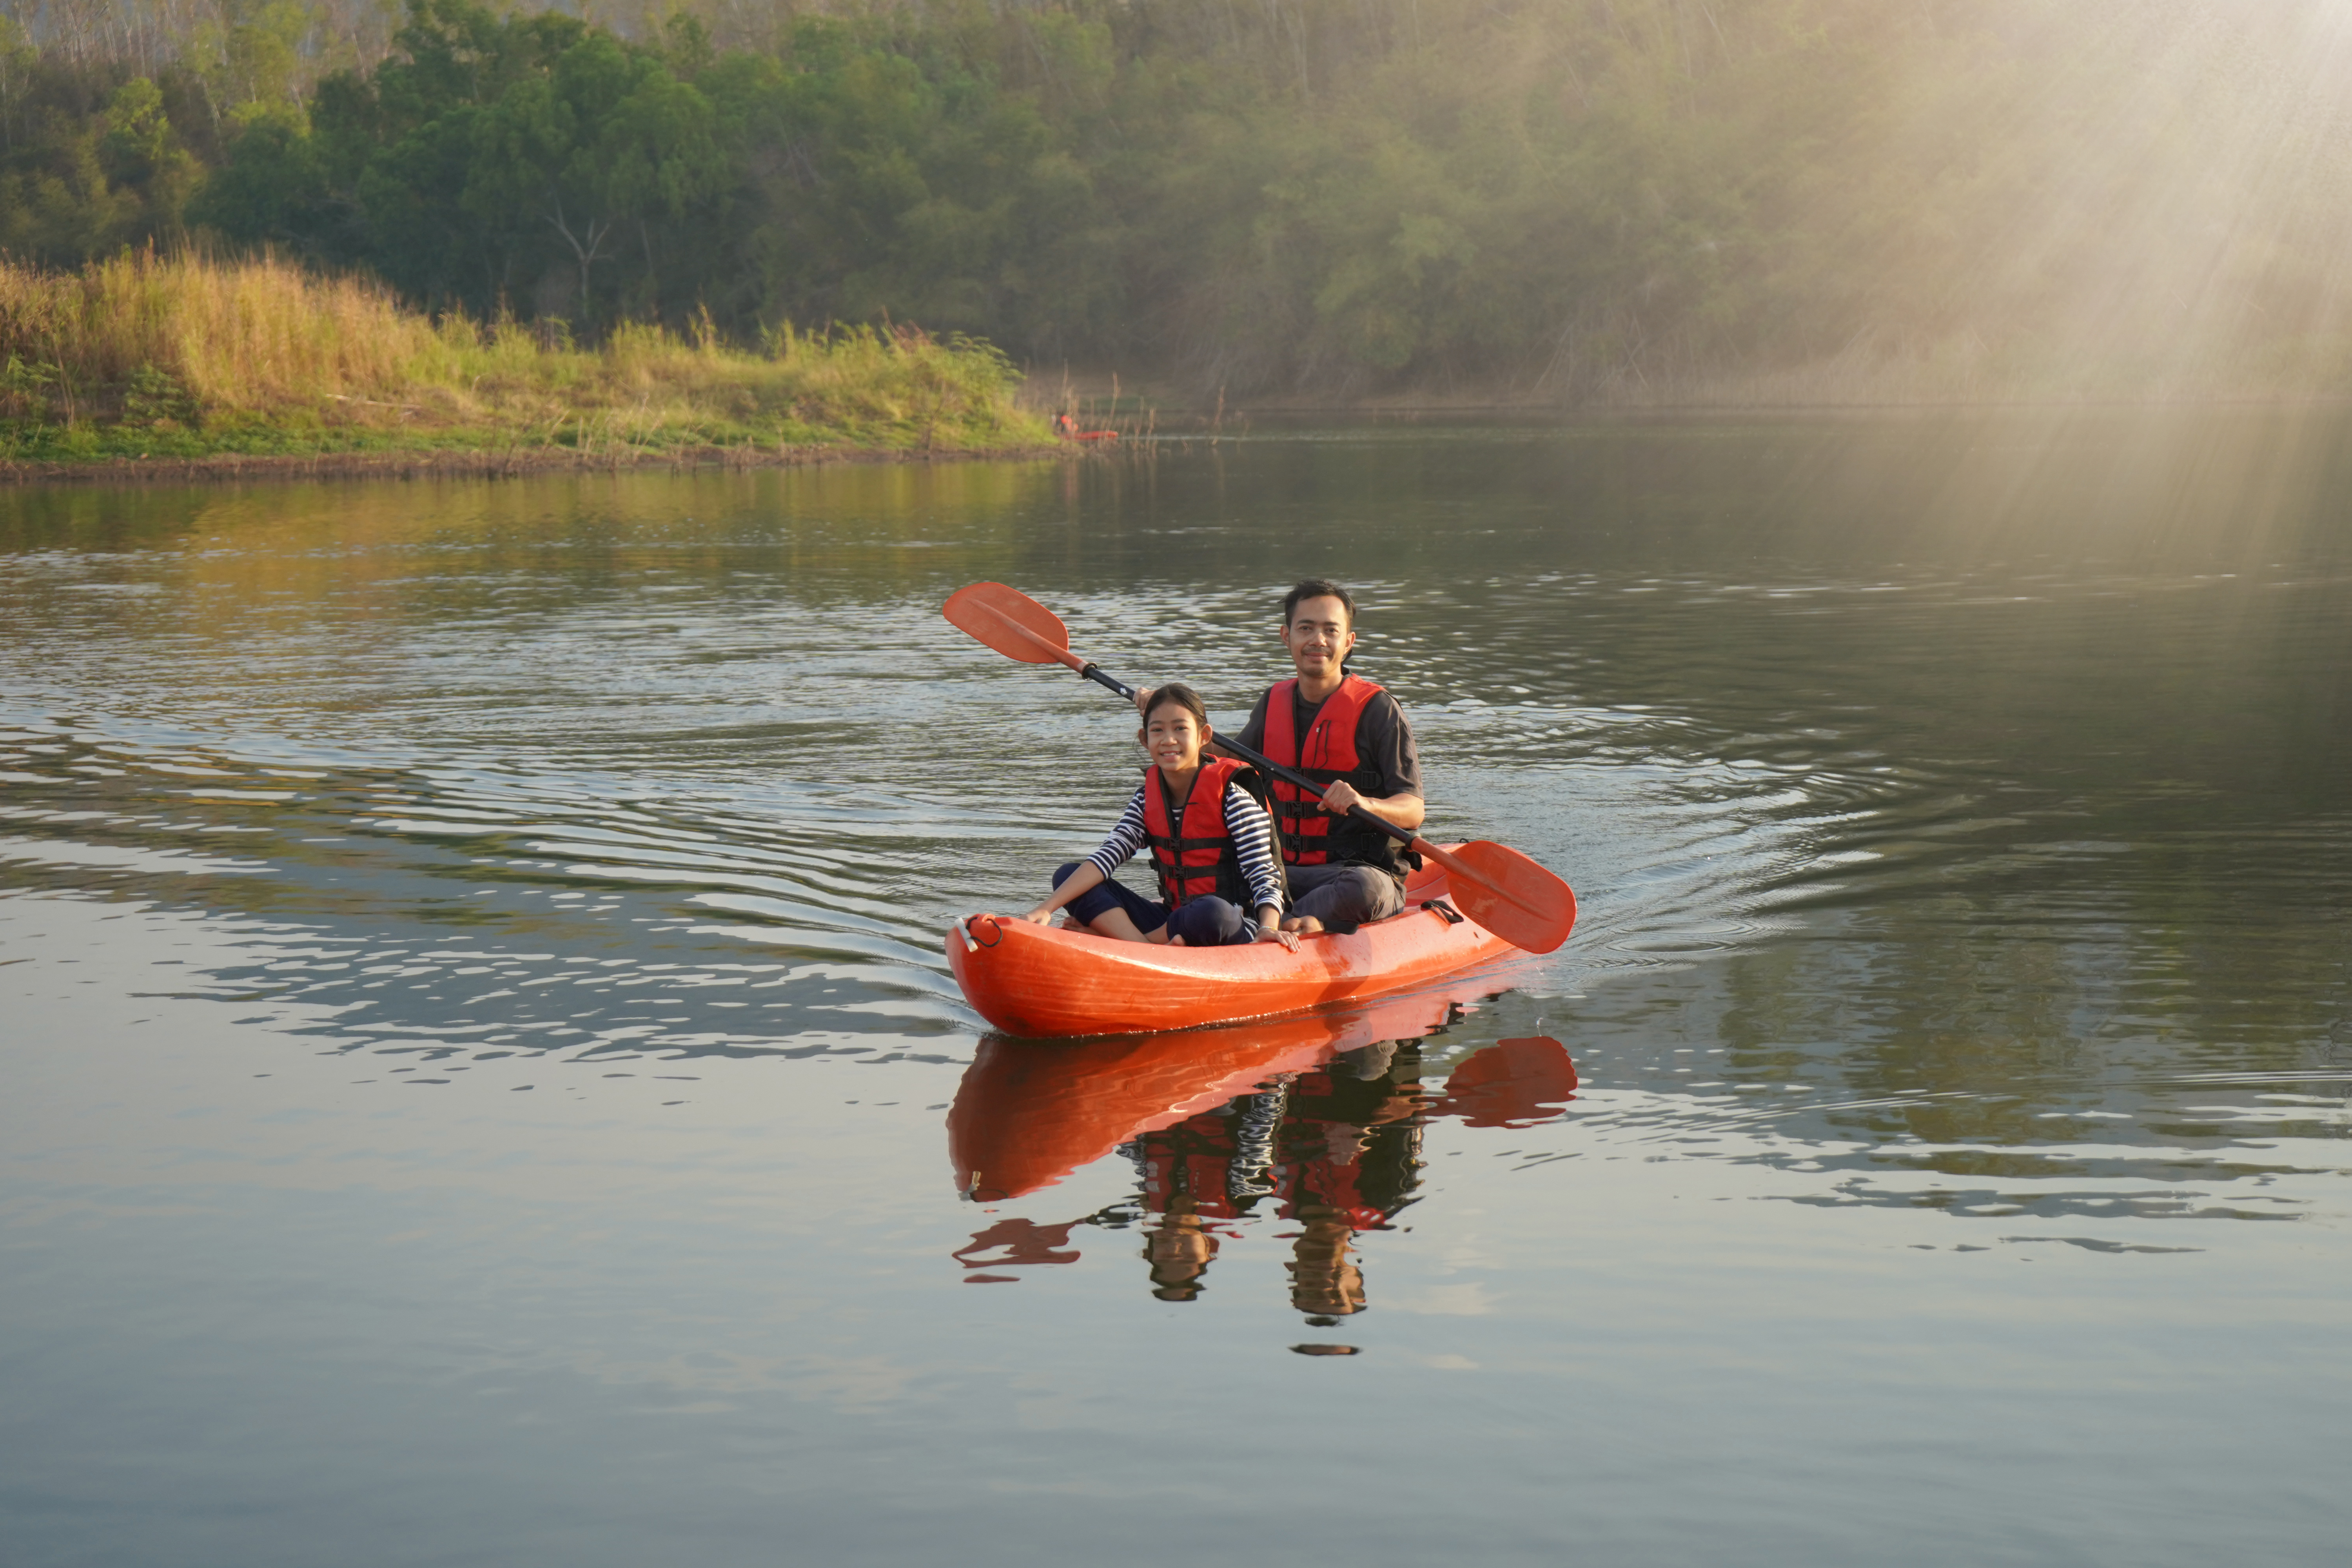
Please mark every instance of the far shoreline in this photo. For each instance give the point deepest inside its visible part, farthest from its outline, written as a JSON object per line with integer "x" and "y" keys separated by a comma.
{"x": 227, "y": 467}
{"x": 1817, "y": 392}
{"x": 1175, "y": 426}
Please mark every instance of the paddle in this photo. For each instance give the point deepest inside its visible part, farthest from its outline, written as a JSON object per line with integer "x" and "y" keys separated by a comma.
{"x": 1499, "y": 888}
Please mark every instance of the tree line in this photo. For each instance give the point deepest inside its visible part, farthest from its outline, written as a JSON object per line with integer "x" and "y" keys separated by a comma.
{"x": 1573, "y": 198}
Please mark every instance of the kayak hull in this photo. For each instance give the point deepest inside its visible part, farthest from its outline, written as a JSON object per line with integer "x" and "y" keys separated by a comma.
{"x": 1041, "y": 982}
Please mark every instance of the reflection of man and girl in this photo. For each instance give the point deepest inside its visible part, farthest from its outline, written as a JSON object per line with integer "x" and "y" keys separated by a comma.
{"x": 1337, "y": 1150}
{"x": 1229, "y": 1127}
{"x": 1241, "y": 858}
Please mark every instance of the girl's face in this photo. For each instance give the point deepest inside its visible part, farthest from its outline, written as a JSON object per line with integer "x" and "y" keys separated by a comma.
{"x": 1174, "y": 738}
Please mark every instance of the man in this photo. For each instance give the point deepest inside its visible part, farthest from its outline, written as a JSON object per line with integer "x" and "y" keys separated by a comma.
{"x": 1348, "y": 734}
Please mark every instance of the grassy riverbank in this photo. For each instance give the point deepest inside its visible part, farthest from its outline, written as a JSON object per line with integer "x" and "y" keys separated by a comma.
{"x": 183, "y": 360}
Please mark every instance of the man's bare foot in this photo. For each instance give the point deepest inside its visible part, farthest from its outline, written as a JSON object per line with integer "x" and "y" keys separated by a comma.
{"x": 1304, "y": 925}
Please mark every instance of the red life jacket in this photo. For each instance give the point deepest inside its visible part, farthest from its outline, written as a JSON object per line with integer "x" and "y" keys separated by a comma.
{"x": 1311, "y": 836}
{"x": 1367, "y": 1188}
{"x": 1334, "y": 1185}
{"x": 1195, "y": 854}
{"x": 1219, "y": 1160}
{"x": 1168, "y": 1173}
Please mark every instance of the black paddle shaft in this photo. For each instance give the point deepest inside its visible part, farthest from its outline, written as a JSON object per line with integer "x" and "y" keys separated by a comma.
{"x": 1091, "y": 671}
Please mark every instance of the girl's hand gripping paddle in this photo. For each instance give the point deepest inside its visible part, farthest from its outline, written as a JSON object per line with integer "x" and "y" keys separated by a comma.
{"x": 1499, "y": 888}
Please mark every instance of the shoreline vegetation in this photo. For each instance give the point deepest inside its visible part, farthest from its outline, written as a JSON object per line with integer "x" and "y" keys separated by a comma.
{"x": 147, "y": 365}
{"x": 496, "y": 238}
{"x": 1579, "y": 206}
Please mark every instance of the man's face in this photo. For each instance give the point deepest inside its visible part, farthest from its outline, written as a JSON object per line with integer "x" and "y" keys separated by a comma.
{"x": 1318, "y": 637}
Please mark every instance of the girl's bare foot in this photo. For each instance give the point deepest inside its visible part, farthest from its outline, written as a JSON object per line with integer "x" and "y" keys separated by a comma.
{"x": 1304, "y": 925}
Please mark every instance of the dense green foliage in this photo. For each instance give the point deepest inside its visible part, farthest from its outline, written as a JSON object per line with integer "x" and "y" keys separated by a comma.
{"x": 1623, "y": 198}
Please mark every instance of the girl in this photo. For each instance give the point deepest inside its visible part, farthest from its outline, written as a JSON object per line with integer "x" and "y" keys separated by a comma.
{"x": 1210, "y": 844}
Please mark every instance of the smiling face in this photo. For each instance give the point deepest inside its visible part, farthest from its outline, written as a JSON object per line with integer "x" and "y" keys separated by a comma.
{"x": 1320, "y": 638}
{"x": 1174, "y": 738}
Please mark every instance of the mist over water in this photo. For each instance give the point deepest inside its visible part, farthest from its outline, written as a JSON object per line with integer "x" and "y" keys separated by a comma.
{"x": 478, "y": 1065}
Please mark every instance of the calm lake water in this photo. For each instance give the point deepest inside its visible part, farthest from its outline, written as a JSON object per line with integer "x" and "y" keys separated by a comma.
{"x": 1955, "y": 1170}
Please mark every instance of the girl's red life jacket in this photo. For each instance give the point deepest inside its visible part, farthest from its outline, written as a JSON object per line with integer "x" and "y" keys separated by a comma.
{"x": 1219, "y": 1159}
{"x": 1193, "y": 853}
{"x": 1204, "y": 1176}
{"x": 1311, "y": 836}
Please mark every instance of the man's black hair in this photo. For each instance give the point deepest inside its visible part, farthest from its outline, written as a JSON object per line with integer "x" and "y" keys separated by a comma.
{"x": 1318, "y": 588}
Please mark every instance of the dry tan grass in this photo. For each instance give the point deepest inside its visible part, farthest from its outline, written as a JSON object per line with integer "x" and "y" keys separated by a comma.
{"x": 192, "y": 344}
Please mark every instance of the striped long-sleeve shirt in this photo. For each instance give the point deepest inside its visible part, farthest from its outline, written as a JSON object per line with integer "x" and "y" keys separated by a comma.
{"x": 1245, "y": 823}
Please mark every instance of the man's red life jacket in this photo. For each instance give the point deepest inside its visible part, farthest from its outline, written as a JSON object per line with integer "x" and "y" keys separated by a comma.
{"x": 1333, "y": 1185}
{"x": 1311, "y": 836}
{"x": 1195, "y": 854}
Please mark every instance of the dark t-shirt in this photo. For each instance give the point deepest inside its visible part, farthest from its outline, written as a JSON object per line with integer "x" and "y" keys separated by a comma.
{"x": 1384, "y": 740}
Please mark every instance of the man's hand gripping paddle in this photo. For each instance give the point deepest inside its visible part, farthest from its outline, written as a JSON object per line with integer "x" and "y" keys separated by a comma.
{"x": 1499, "y": 888}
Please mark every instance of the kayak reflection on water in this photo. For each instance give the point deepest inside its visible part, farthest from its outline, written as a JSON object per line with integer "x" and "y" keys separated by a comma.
{"x": 1303, "y": 1119}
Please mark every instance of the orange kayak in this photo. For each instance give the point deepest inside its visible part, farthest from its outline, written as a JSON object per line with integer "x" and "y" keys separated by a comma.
{"x": 1037, "y": 981}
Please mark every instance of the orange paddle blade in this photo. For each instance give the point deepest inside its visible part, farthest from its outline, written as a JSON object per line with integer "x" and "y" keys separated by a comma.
{"x": 1011, "y": 622}
{"x": 1510, "y": 895}
{"x": 1511, "y": 1083}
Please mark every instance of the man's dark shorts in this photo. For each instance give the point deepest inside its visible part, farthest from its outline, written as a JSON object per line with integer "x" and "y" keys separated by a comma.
{"x": 1343, "y": 897}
